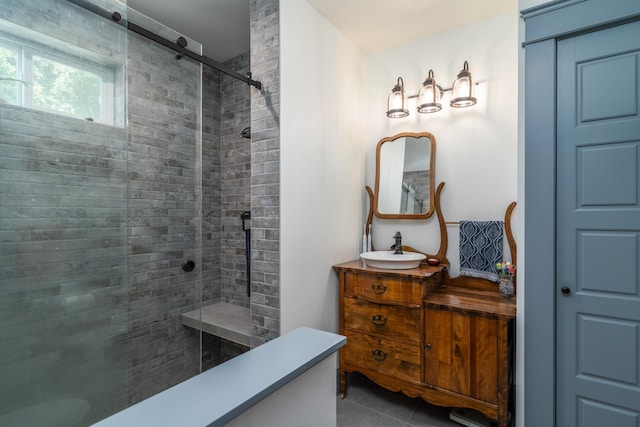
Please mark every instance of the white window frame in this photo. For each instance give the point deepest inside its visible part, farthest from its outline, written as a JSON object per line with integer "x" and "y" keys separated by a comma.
{"x": 27, "y": 50}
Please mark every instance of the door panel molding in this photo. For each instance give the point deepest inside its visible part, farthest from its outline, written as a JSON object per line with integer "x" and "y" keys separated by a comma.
{"x": 559, "y": 19}
{"x": 597, "y": 333}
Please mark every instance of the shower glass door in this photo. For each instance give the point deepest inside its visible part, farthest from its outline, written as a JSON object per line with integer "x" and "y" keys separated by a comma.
{"x": 100, "y": 201}
{"x": 165, "y": 204}
{"x": 63, "y": 215}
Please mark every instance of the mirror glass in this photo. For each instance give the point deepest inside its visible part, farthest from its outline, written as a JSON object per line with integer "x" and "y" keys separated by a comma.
{"x": 405, "y": 171}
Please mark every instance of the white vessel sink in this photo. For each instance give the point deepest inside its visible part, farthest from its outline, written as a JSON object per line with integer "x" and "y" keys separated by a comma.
{"x": 391, "y": 261}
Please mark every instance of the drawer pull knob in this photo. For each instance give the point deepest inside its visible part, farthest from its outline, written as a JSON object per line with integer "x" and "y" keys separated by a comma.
{"x": 378, "y": 355}
{"x": 427, "y": 347}
{"x": 379, "y": 319}
{"x": 378, "y": 288}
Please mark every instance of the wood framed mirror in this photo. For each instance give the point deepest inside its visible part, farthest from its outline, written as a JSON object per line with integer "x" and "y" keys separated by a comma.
{"x": 405, "y": 176}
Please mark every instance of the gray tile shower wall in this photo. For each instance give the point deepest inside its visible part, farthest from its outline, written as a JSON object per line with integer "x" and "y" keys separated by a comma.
{"x": 236, "y": 180}
{"x": 164, "y": 215}
{"x": 211, "y": 346}
{"x": 211, "y": 185}
{"x": 63, "y": 237}
{"x": 96, "y": 220}
{"x": 265, "y": 171}
{"x": 226, "y": 193}
{"x": 63, "y": 258}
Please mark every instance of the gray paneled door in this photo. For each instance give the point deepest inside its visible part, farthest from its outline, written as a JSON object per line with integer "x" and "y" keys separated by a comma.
{"x": 598, "y": 234}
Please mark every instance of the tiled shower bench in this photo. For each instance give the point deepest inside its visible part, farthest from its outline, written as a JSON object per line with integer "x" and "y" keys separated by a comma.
{"x": 224, "y": 320}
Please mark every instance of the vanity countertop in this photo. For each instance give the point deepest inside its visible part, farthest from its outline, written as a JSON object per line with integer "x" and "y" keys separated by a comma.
{"x": 486, "y": 303}
{"x": 458, "y": 298}
{"x": 423, "y": 270}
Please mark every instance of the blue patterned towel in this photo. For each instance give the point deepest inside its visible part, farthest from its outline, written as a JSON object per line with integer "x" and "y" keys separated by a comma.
{"x": 480, "y": 248}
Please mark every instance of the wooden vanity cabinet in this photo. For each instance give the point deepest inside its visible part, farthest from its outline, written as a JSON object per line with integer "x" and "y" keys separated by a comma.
{"x": 461, "y": 353}
{"x": 469, "y": 348}
{"x": 381, "y": 315}
{"x": 407, "y": 331}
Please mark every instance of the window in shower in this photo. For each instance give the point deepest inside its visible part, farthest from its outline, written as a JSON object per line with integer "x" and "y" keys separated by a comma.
{"x": 42, "y": 78}
{"x": 9, "y": 76}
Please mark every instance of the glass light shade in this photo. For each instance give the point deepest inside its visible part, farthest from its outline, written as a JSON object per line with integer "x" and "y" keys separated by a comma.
{"x": 429, "y": 95}
{"x": 462, "y": 90}
{"x": 397, "y": 102}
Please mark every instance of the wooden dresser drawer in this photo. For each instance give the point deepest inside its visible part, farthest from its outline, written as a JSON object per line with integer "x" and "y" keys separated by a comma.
{"x": 396, "y": 322}
{"x": 384, "y": 289}
{"x": 382, "y": 355}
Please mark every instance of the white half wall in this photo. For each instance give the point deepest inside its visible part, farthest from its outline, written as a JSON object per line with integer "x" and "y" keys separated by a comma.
{"x": 526, "y": 4}
{"x": 323, "y": 78}
{"x": 309, "y": 400}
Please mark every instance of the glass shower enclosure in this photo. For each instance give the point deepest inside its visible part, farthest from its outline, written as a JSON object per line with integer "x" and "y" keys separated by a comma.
{"x": 100, "y": 212}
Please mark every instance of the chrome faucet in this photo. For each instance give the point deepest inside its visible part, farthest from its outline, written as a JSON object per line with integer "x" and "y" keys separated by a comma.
{"x": 398, "y": 245}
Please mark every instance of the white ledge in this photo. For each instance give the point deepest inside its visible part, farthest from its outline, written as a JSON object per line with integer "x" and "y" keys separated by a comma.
{"x": 215, "y": 397}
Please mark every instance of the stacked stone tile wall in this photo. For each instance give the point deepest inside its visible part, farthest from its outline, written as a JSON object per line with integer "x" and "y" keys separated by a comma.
{"x": 211, "y": 209}
{"x": 95, "y": 222}
{"x": 419, "y": 180}
{"x": 64, "y": 303}
{"x": 211, "y": 185}
{"x": 226, "y": 192}
{"x": 164, "y": 199}
{"x": 265, "y": 171}
{"x": 236, "y": 181}
{"x": 63, "y": 258}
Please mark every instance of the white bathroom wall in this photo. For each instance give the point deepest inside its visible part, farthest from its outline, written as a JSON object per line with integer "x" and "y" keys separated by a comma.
{"x": 322, "y": 163}
{"x": 476, "y": 147}
{"x": 328, "y": 148}
{"x": 325, "y": 145}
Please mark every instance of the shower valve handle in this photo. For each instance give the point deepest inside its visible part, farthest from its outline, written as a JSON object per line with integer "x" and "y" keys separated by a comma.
{"x": 188, "y": 266}
{"x": 245, "y": 216}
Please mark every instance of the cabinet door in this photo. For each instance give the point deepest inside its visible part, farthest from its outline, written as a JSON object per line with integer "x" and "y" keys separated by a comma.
{"x": 461, "y": 353}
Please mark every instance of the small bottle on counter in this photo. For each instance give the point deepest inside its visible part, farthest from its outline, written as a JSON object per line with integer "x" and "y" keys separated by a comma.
{"x": 365, "y": 241}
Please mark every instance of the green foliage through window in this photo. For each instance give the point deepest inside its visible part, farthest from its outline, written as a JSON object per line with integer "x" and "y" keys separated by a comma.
{"x": 8, "y": 75}
{"x": 63, "y": 88}
{"x": 36, "y": 77}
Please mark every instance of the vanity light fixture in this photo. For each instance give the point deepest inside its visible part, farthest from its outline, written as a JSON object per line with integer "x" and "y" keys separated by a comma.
{"x": 397, "y": 102}
{"x": 462, "y": 89}
{"x": 431, "y": 93}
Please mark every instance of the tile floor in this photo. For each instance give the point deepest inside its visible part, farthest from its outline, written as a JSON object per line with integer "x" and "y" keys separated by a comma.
{"x": 369, "y": 405}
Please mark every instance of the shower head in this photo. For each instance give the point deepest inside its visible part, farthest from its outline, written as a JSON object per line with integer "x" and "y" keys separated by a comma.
{"x": 246, "y": 132}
